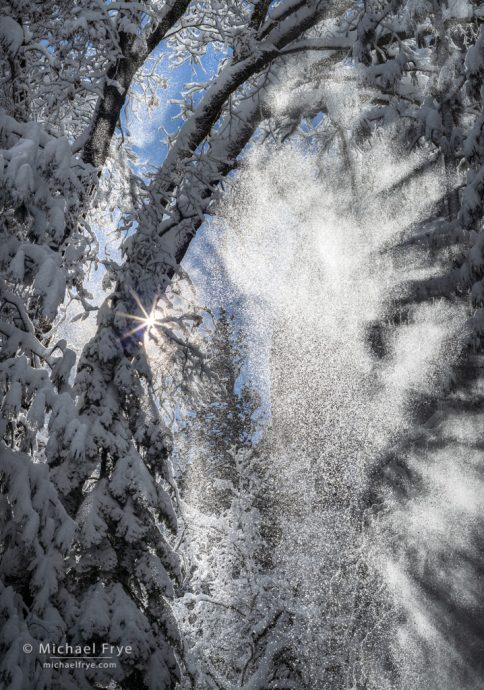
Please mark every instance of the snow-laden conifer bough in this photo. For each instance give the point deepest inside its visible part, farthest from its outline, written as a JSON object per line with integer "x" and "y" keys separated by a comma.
{"x": 87, "y": 487}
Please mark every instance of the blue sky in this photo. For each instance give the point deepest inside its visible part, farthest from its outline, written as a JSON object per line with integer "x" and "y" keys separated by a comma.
{"x": 147, "y": 135}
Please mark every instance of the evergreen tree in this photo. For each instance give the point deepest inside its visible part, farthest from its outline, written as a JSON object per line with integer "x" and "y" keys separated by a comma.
{"x": 230, "y": 612}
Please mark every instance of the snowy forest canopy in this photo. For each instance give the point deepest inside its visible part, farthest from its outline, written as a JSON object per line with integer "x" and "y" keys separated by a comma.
{"x": 241, "y": 332}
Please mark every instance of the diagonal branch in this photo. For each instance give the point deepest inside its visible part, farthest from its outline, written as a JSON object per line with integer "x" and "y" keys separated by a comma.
{"x": 118, "y": 81}
{"x": 232, "y": 77}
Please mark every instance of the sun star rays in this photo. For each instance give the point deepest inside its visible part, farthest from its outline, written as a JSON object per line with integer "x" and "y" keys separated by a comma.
{"x": 147, "y": 321}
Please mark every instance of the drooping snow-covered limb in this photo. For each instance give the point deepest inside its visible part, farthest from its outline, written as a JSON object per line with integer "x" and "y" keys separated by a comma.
{"x": 36, "y": 537}
{"x": 44, "y": 250}
{"x": 448, "y": 113}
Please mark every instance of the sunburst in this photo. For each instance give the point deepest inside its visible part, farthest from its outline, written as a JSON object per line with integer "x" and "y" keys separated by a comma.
{"x": 147, "y": 322}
